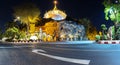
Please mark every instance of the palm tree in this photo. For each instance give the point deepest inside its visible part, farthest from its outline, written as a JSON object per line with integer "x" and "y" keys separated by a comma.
{"x": 28, "y": 13}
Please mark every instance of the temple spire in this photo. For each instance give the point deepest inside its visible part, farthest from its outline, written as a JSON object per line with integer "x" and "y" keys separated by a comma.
{"x": 55, "y": 4}
{"x": 55, "y": 13}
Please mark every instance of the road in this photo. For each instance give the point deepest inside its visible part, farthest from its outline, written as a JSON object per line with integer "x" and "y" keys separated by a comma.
{"x": 60, "y": 54}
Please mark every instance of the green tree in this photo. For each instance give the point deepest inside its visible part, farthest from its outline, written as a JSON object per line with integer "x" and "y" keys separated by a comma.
{"x": 97, "y": 37}
{"x": 22, "y": 35}
{"x": 103, "y": 26}
{"x": 112, "y": 10}
{"x": 104, "y": 31}
{"x": 28, "y": 13}
{"x": 12, "y": 33}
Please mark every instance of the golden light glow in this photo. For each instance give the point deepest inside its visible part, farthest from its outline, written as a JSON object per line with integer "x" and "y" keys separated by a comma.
{"x": 32, "y": 28}
{"x": 55, "y": 14}
{"x": 55, "y": 2}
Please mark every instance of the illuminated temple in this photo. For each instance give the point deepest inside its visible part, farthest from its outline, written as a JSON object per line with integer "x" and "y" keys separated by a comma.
{"x": 55, "y": 13}
{"x": 57, "y": 28}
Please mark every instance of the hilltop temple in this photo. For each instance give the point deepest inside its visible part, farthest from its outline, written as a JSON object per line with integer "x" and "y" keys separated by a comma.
{"x": 57, "y": 28}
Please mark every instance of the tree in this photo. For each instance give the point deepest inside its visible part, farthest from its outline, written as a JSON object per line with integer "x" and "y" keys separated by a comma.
{"x": 85, "y": 22}
{"x": 90, "y": 30}
{"x": 22, "y": 35}
{"x": 104, "y": 28}
{"x": 104, "y": 31}
{"x": 97, "y": 37}
{"x": 11, "y": 25}
{"x": 112, "y": 10}
{"x": 12, "y": 33}
{"x": 28, "y": 13}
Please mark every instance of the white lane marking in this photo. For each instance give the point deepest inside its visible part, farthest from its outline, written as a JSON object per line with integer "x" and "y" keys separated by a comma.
{"x": 36, "y": 50}
{"x": 72, "y": 60}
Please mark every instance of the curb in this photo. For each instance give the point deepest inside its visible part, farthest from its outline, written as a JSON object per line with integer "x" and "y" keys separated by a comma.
{"x": 58, "y": 42}
{"x": 109, "y": 42}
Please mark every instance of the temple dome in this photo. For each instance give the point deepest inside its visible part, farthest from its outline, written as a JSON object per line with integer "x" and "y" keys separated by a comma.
{"x": 55, "y": 14}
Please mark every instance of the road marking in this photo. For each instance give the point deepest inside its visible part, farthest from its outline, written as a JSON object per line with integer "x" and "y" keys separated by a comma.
{"x": 72, "y": 60}
{"x": 36, "y": 50}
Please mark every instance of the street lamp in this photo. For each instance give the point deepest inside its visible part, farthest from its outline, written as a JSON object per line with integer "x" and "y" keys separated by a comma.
{"x": 17, "y": 19}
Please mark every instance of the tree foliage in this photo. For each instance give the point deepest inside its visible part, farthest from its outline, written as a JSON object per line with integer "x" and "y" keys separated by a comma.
{"x": 112, "y": 10}
{"x": 15, "y": 33}
{"x": 28, "y": 13}
{"x": 86, "y": 22}
{"x": 12, "y": 32}
{"x": 104, "y": 31}
{"x": 90, "y": 30}
{"x": 103, "y": 26}
{"x": 11, "y": 25}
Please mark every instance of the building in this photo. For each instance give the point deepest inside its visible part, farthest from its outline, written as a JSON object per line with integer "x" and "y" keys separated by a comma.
{"x": 58, "y": 28}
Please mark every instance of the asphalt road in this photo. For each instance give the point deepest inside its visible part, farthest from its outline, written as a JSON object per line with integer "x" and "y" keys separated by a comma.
{"x": 60, "y": 54}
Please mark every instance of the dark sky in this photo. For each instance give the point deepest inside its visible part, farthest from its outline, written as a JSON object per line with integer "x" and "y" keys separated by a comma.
{"x": 91, "y": 9}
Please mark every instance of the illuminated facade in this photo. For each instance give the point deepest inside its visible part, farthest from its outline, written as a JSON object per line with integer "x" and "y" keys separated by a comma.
{"x": 58, "y": 28}
{"x": 55, "y": 13}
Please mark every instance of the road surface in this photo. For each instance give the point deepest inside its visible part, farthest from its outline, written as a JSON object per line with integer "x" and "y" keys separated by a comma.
{"x": 60, "y": 54}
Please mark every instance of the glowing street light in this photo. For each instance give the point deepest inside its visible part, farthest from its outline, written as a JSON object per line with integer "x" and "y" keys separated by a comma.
{"x": 17, "y": 19}
{"x": 55, "y": 2}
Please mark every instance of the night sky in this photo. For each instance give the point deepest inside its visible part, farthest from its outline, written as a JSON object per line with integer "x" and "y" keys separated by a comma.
{"x": 91, "y": 9}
